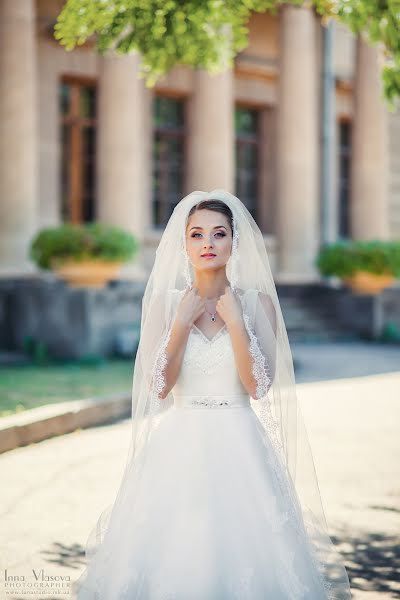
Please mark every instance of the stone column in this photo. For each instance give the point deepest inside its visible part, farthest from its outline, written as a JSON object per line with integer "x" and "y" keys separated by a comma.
{"x": 211, "y": 158}
{"x": 297, "y": 145}
{"x": 124, "y": 145}
{"x": 369, "y": 162}
{"x": 18, "y": 134}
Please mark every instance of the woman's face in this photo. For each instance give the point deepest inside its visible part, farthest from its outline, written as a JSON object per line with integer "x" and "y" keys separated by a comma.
{"x": 208, "y": 232}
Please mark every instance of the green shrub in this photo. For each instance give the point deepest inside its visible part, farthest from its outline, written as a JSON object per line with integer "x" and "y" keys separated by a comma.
{"x": 36, "y": 349}
{"x": 80, "y": 242}
{"x": 390, "y": 332}
{"x": 344, "y": 258}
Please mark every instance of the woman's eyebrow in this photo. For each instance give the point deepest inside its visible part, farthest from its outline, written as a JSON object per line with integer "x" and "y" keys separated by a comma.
{"x": 198, "y": 227}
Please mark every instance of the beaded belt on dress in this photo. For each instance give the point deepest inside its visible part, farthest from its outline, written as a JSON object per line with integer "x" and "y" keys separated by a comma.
{"x": 212, "y": 401}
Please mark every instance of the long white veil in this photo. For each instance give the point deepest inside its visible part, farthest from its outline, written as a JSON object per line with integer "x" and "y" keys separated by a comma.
{"x": 275, "y": 404}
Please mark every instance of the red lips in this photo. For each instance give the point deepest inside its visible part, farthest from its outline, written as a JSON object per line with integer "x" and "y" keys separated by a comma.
{"x": 209, "y": 254}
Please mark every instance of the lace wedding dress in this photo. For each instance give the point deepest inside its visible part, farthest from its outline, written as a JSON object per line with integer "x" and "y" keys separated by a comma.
{"x": 214, "y": 516}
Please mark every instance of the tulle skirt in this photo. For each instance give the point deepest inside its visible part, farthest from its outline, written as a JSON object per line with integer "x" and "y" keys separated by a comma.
{"x": 208, "y": 519}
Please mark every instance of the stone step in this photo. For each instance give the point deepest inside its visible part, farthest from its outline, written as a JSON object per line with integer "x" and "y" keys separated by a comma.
{"x": 310, "y": 314}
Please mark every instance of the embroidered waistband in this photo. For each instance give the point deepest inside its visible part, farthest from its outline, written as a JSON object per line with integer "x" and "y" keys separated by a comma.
{"x": 212, "y": 401}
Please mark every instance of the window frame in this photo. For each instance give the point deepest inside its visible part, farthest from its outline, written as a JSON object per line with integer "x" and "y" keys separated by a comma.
{"x": 343, "y": 214}
{"x": 169, "y": 132}
{"x": 255, "y": 140}
{"x": 73, "y": 197}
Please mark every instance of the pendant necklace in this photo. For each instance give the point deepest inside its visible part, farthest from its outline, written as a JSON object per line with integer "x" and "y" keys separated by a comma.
{"x": 213, "y": 315}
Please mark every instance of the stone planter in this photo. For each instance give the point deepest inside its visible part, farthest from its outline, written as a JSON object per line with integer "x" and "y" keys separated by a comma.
{"x": 363, "y": 282}
{"x": 93, "y": 273}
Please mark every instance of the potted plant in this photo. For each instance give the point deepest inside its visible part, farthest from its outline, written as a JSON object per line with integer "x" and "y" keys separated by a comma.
{"x": 366, "y": 266}
{"x": 84, "y": 255}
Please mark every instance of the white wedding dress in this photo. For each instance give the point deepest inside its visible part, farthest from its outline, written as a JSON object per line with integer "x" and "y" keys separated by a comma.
{"x": 212, "y": 519}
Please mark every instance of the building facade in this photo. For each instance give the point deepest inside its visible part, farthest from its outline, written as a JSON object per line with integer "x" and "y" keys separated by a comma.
{"x": 83, "y": 139}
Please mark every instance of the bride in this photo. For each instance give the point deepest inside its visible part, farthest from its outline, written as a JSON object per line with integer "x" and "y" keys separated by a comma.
{"x": 219, "y": 499}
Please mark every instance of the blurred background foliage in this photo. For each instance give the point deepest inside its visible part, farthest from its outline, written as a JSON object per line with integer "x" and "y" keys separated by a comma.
{"x": 209, "y": 33}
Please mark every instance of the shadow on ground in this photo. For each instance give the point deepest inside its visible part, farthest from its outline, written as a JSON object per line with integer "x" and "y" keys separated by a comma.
{"x": 72, "y": 556}
{"x": 372, "y": 561}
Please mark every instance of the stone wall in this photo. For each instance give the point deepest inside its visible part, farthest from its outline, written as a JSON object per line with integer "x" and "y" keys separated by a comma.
{"x": 371, "y": 316}
{"x": 69, "y": 322}
{"x": 74, "y": 323}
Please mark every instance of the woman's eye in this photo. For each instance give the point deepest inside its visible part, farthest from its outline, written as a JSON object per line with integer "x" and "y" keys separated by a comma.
{"x": 218, "y": 233}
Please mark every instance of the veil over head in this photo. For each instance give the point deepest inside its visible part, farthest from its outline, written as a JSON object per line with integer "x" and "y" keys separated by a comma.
{"x": 275, "y": 402}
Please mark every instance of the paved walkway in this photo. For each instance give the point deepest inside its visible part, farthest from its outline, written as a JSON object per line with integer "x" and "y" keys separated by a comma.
{"x": 354, "y": 434}
{"x": 316, "y": 362}
{"x": 53, "y": 491}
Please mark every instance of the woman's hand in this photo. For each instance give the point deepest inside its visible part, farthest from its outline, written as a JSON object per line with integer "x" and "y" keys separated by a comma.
{"x": 190, "y": 307}
{"x": 229, "y": 308}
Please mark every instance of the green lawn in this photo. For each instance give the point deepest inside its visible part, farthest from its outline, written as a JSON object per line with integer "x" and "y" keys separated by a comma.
{"x": 23, "y": 387}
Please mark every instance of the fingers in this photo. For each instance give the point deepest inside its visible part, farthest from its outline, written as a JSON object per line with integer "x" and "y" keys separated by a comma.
{"x": 189, "y": 289}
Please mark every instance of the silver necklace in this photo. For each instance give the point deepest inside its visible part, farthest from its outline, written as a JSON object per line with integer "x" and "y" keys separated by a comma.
{"x": 213, "y": 315}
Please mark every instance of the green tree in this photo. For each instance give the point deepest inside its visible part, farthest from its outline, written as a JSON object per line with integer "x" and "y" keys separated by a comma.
{"x": 194, "y": 32}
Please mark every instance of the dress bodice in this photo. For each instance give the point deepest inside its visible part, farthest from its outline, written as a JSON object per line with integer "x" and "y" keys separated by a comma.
{"x": 208, "y": 375}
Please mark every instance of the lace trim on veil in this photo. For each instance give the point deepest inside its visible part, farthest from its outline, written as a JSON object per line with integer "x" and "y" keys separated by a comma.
{"x": 263, "y": 377}
{"x": 158, "y": 377}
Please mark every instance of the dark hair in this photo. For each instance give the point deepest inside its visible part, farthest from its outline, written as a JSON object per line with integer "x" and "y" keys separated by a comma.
{"x": 217, "y": 206}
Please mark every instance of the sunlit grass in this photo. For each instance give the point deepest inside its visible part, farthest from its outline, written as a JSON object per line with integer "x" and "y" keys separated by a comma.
{"x": 24, "y": 387}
